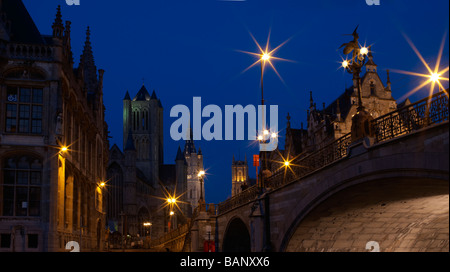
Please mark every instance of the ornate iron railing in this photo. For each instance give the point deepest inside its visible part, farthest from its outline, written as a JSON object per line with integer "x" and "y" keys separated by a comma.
{"x": 304, "y": 165}
{"x": 423, "y": 113}
{"x": 176, "y": 234}
{"x": 183, "y": 232}
{"x": 245, "y": 196}
{"x": 409, "y": 118}
{"x": 300, "y": 167}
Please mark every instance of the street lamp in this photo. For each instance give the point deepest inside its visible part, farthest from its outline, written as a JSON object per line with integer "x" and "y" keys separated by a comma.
{"x": 361, "y": 121}
{"x": 171, "y": 213}
{"x": 265, "y": 57}
{"x": 201, "y": 175}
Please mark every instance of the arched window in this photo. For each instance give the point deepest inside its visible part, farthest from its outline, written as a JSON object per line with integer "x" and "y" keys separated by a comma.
{"x": 20, "y": 189}
{"x": 240, "y": 176}
{"x": 372, "y": 88}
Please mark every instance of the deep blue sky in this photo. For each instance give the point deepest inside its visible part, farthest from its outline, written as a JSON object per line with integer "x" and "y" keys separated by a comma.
{"x": 186, "y": 48}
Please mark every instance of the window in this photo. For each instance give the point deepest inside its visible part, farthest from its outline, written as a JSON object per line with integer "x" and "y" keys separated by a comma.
{"x": 32, "y": 241}
{"x": 21, "y": 189}
{"x": 24, "y": 110}
{"x": 5, "y": 240}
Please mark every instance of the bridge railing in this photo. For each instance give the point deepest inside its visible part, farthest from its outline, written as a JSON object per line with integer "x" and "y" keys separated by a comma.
{"x": 423, "y": 113}
{"x": 168, "y": 237}
{"x": 302, "y": 166}
{"x": 245, "y": 196}
{"x": 184, "y": 230}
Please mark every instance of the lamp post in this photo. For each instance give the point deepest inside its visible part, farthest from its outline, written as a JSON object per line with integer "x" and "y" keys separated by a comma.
{"x": 171, "y": 213}
{"x": 264, "y": 57}
{"x": 201, "y": 201}
{"x": 361, "y": 121}
{"x": 265, "y": 133}
{"x": 354, "y": 67}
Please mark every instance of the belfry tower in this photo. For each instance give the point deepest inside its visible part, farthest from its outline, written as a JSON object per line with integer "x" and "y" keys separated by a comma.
{"x": 143, "y": 118}
{"x": 239, "y": 176}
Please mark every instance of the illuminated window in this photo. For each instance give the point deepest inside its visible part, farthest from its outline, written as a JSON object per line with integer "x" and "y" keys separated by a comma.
{"x": 24, "y": 110}
{"x": 239, "y": 176}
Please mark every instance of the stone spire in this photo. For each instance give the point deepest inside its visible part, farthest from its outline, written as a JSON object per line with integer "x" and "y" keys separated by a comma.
{"x": 370, "y": 65}
{"x": 67, "y": 43}
{"x": 388, "y": 87}
{"x": 88, "y": 65}
{"x": 58, "y": 27}
{"x": 288, "y": 125}
{"x": 127, "y": 96}
{"x": 180, "y": 156}
{"x": 189, "y": 147}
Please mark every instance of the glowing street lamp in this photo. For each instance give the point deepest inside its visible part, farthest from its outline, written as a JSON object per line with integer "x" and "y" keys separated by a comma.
{"x": 201, "y": 175}
{"x": 345, "y": 63}
{"x": 354, "y": 66}
{"x": 357, "y": 61}
{"x": 265, "y": 57}
{"x": 434, "y": 76}
{"x": 364, "y": 51}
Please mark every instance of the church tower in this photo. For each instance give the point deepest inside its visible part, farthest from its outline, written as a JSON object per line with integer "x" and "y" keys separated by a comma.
{"x": 239, "y": 176}
{"x": 143, "y": 116}
{"x": 194, "y": 161}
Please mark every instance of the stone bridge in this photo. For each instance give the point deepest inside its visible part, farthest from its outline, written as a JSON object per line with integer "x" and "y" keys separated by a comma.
{"x": 389, "y": 191}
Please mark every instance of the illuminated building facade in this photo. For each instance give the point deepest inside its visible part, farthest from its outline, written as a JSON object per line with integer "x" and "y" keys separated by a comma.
{"x": 53, "y": 138}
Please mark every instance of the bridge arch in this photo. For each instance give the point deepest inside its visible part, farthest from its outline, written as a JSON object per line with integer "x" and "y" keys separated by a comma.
{"x": 400, "y": 214}
{"x": 237, "y": 236}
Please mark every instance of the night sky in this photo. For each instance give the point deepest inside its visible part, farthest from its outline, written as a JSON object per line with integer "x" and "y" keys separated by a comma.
{"x": 186, "y": 48}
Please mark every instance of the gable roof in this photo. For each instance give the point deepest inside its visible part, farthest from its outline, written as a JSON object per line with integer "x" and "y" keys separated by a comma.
{"x": 23, "y": 28}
